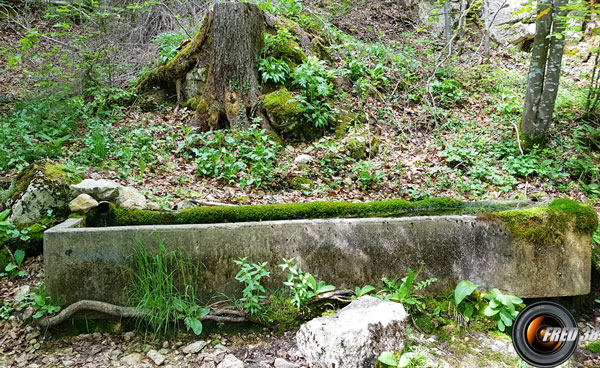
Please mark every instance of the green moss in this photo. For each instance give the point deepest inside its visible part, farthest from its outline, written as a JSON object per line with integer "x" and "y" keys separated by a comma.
{"x": 425, "y": 323}
{"x": 281, "y": 104}
{"x": 291, "y": 211}
{"x": 594, "y": 347}
{"x": 193, "y": 102}
{"x": 359, "y": 150}
{"x": 547, "y": 225}
{"x": 53, "y": 174}
{"x": 301, "y": 183}
{"x": 342, "y": 122}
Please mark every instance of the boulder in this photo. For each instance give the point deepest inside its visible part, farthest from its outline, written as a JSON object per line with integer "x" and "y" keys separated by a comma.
{"x": 40, "y": 187}
{"x": 83, "y": 203}
{"x": 303, "y": 159}
{"x": 130, "y": 199}
{"x": 355, "y": 336}
{"x": 511, "y": 24}
{"x": 286, "y": 116}
{"x": 101, "y": 190}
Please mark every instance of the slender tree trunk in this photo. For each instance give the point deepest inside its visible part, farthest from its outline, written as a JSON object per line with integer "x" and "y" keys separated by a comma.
{"x": 544, "y": 74}
{"x": 447, "y": 21}
{"x": 486, "y": 18}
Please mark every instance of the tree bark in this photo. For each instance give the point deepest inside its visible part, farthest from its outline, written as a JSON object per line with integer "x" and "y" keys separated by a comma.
{"x": 544, "y": 73}
{"x": 232, "y": 89}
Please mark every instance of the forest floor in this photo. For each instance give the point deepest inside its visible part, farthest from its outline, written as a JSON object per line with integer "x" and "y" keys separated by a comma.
{"x": 466, "y": 151}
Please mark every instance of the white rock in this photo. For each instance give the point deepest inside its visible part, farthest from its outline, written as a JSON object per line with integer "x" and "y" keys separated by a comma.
{"x": 132, "y": 359}
{"x": 231, "y": 361}
{"x": 83, "y": 203}
{"x": 22, "y": 291}
{"x": 186, "y": 204}
{"x": 130, "y": 199}
{"x": 153, "y": 206}
{"x": 156, "y": 357}
{"x": 355, "y": 336}
{"x": 195, "y": 348}
{"x": 282, "y": 363}
{"x": 303, "y": 159}
{"x": 102, "y": 190}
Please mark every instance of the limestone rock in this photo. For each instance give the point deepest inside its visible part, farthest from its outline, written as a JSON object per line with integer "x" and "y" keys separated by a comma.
{"x": 83, "y": 203}
{"x": 40, "y": 187}
{"x": 102, "y": 190}
{"x": 156, "y": 357}
{"x": 132, "y": 359}
{"x": 303, "y": 159}
{"x": 231, "y": 361}
{"x": 282, "y": 363}
{"x": 195, "y": 347}
{"x": 153, "y": 206}
{"x": 355, "y": 336}
{"x": 21, "y": 291}
{"x": 130, "y": 199}
{"x": 511, "y": 25}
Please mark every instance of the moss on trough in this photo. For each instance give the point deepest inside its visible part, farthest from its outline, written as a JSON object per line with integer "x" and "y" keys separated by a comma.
{"x": 291, "y": 211}
{"x": 546, "y": 225}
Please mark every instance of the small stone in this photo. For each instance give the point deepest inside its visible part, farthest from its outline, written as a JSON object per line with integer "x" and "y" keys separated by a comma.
{"x": 132, "y": 359}
{"x": 231, "y": 361}
{"x": 165, "y": 344}
{"x": 33, "y": 365}
{"x": 130, "y": 199}
{"x": 32, "y": 335}
{"x": 68, "y": 351}
{"x": 21, "y": 291}
{"x": 195, "y": 348}
{"x": 115, "y": 353}
{"x": 156, "y": 357}
{"x": 185, "y": 204}
{"x": 164, "y": 351}
{"x": 282, "y": 363}
{"x": 222, "y": 348}
{"x": 68, "y": 363}
{"x": 153, "y": 206}
{"x": 303, "y": 159}
{"x": 102, "y": 190}
{"x": 82, "y": 204}
{"x": 129, "y": 335}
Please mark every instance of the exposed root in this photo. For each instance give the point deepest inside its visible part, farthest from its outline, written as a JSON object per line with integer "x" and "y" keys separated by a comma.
{"x": 342, "y": 296}
{"x": 219, "y": 315}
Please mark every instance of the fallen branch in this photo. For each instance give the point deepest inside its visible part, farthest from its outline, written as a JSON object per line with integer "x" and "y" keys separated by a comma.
{"x": 218, "y": 315}
{"x": 342, "y": 296}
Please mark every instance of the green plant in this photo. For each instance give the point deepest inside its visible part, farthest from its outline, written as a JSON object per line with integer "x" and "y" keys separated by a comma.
{"x": 163, "y": 286}
{"x": 8, "y": 230}
{"x": 273, "y": 70}
{"x": 40, "y": 301}
{"x": 410, "y": 359}
{"x": 5, "y": 311}
{"x": 461, "y": 292}
{"x": 502, "y": 308}
{"x": 303, "y": 285}
{"x": 168, "y": 44}
{"x": 446, "y": 88}
{"x": 405, "y": 291}
{"x": 366, "y": 175}
{"x": 355, "y": 68}
{"x": 13, "y": 270}
{"x": 250, "y": 275}
{"x": 378, "y": 77}
{"x": 313, "y": 79}
{"x": 365, "y": 290}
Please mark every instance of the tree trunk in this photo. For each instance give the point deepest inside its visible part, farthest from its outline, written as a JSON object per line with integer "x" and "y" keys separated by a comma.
{"x": 232, "y": 89}
{"x": 226, "y": 51}
{"x": 544, "y": 73}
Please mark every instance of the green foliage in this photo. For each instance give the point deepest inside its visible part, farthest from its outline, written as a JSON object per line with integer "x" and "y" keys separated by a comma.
{"x": 404, "y": 291}
{"x": 273, "y": 70}
{"x": 246, "y": 156}
{"x": 13, "y": 270}
{"x": 365, "y": 290}
{"x": 502, "y": 308}
{"x": 8, "y": 230}
{"x": 250, "y": 275}
{"x": 314, "y": 80}
{"x": 355, "y": 68}
{"x": 168, "y": 44}
{"x": 446, "y": 87}
{"x": 40, "y": 301}
{"x": 163, "y": 285}
{"x": 303, "y": 285}
{"x": 365, "y": 173}
{"x": 5, "y": 311}
{"x": 290, "y": 8}
{"x": 593, "y": 346}
{"x": 464, "y": 289}
{"x": 410, "y": 359}
{"x": 378, "y": 78}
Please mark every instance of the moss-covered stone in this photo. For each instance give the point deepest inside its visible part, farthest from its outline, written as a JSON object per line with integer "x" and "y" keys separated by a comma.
{"x": 359, "y": 150}
{"x": 286, "y": 117}
{"x": 291, "y": 211}
{"x": 318, "y": 49}
{"x": 301, "y": 183}
{"x": 342, "y": 122}
{"x": 547, "y": 225}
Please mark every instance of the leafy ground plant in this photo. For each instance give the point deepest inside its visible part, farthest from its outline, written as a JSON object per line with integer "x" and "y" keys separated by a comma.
{"x": 302, "y": 284}
{"x": 40, "y": 301}
{"x": 410, "y": 359}
{"x": 404, "y": 291}
{"x": 13, "y": 270}
{"x": 250, "y": 275}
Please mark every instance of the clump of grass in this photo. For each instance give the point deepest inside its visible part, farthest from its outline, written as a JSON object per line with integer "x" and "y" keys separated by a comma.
{"x": 163, "y": 287}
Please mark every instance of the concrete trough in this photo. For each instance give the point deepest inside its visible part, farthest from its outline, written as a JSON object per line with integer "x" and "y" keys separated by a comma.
{"x": 91, "y": 263}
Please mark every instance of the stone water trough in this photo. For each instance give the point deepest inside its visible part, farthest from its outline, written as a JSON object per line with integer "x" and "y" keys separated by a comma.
{"x": 524, "y": 248}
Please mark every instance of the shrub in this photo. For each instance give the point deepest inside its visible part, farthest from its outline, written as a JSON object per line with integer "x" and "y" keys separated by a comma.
{"x": 168, "y": 44}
